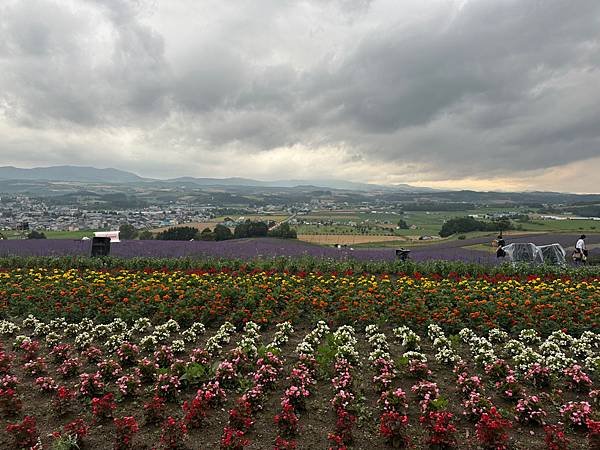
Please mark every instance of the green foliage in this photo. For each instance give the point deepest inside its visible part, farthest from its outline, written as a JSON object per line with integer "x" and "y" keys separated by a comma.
{"x": 438, "y": 206}
{"x": 325, "y": 356}
{"x": 178, "y": 234}
{"x": 207, "y": 235}
{"x": 402, "y": 224}
{"x": 455, "y": 340}
{"x": 65, "y": 442}
{"x": 439, "y": 404}
{"x": 145, "y": 235}
{"x": 244, "y": 384}
{"x": 222, "y": 233}
{"x": 467, "y": 224}
{"x": 299, "y": 264}
{"x": 127, "y": 231}
{"x": 586, "y": 211}
{"x": 250, "y": 229}
{"x": 196, "y": 373}
{"x": 263, "y": 350}
{"x": 402, "y": 362}
{"x": 283, "y": 231}
{"x": 36, "y": 235}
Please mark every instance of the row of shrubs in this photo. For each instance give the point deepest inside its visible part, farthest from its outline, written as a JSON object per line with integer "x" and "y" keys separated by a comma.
{"x": 304, "y": 264}
{"x": 220, "y": 232}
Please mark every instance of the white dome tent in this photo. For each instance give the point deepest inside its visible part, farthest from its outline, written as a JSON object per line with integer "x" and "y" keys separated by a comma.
{"x": 522, "y": 252}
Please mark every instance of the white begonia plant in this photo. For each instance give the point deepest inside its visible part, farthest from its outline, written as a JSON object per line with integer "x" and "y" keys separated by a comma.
{"x": 7, "y": 328}
{"x": 415, "y": 356}
{"x": 178, "y": 346}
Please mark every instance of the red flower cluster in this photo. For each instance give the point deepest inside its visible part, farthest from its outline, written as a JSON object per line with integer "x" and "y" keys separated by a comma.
{"x": 103, "y": 407}
{"x": 173, "y": 434}
{"x": 492, "y": 430}
{"x": 125, "y": 429}
{"x": 24, "y": 434}
{"x": 440, "y": 427}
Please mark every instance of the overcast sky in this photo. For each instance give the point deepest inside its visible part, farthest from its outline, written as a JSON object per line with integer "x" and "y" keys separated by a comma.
{"x": 484, "y": 94}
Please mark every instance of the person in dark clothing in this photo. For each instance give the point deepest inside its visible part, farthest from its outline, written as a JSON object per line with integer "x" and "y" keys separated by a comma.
{"x": 500, "y": 242}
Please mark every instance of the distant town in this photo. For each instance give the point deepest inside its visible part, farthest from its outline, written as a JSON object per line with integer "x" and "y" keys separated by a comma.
{"x": 19, "y": 210}
{"x": 332, "y": 213}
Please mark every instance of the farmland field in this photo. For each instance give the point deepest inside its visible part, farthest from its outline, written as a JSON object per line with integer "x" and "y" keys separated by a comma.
{"x": 234, "y": 356}
{"x": 322, "y": 227}
{"x": 53, "y": 234}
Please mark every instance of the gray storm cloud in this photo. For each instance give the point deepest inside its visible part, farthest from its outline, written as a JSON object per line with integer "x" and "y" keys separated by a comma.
{"x": 412, "y": 90}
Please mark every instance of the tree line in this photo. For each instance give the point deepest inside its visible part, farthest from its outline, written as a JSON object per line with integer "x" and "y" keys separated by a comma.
{"x": 247, "y": 229}
{"x": 466, "y": 224}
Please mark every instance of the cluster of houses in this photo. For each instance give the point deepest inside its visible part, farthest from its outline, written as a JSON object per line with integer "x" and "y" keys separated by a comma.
{"x": 38, "y": 215}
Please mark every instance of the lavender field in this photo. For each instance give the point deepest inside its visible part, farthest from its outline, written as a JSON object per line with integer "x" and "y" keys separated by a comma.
{"x": 269, "y": 248}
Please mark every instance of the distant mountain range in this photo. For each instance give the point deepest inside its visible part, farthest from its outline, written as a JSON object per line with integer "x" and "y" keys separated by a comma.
{"x": 109, "y": 175}
{"x": 69, "y": 173}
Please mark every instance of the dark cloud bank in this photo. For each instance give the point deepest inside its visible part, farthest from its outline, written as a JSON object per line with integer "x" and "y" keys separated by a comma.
{"x": 402, "y": 91}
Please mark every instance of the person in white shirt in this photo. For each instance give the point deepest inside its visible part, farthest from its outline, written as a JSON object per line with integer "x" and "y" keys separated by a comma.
{"x": 580, "y": 250}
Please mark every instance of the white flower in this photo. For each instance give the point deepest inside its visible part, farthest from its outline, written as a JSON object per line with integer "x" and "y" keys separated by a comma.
{"x": 149, "y": 342}
{"x": 72, "y": 329}
{"x": 83, "y": 340}
{"x": 20, "y": 339}
{"x": 467, "y": 335}
{"x": 433, "y": 331}
{"x": 53, "y": 338}
{"x": 591, "y": 338}
{"x": 560, "y": 338}
{"x": 446, "y": 355}
{"x": 378, "y": 353}
{"x": 282, "y": 335}
{"x": 530, "y": 336}
{"x": 304, "y": 348}
{"x": 526, "y": 358}
{"x": 415, "y": 356}
{"x": 113, "y": 342}
{"x": 58, "y": 324}
{"x": 559, "y": 362}
{"x": 102, "y": 330}
{"x": 178, "y": 346}
{"x": 582, "y": 349}
{"x": 7, "y": 328}
{"x": 189, "y": 335}
{"x": 498, "y": 336}
{"x": 42, "y": 329}
{"x": 141, "y": 325}
{"x": 592, "y": 364}
{"x": 221, "y": 337}
{"x": 30, "y": 321}
{"x": 514, "y": 347}
{"x": 549, "y": 348}
{"x": 198, "y": 328}
{"x": 370, "y": 330}
{"x": 118, "y": 325}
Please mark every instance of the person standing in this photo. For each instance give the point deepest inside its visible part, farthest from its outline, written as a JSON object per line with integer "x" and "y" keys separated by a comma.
{"x": 581, "y": 252}
{"x": 500, "y": 242}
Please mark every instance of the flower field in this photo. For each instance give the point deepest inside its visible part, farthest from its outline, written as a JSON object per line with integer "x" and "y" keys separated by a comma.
{"x": 242, "y": 357}
{"x": 211, "y": 297}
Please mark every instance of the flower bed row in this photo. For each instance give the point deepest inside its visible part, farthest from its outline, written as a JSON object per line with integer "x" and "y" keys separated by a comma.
{"x": 159, "y": 383}
{"x": 266, "y": 297}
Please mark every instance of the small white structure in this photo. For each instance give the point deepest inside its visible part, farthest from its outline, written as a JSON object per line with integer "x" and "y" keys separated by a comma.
{"x": 113, "y": 235}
